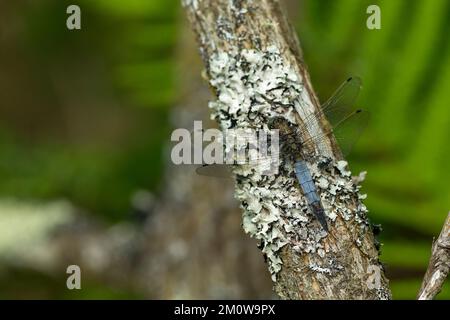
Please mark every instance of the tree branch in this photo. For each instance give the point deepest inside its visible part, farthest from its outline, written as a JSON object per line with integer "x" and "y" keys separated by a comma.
{"x": 254, "y": 65}
{"x": 439, "y": 266}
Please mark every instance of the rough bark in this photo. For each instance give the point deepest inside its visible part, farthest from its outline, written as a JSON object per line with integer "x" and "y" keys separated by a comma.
{"x": 254, "y": 65}
{"x": 439, "y": 265}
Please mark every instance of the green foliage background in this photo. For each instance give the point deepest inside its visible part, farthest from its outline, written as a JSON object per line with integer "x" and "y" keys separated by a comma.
{"x": 126, "y": 53}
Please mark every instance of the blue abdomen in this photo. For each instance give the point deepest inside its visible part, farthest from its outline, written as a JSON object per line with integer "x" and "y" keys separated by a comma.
{"x": 306, "y": 182}
{"x": 309, "y": 190}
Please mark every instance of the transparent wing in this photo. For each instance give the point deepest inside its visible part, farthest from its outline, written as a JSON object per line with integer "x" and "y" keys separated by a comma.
{"x": 213, "y": 170}
{"x": 252, "y": 152}
{"x": 346, "y": 132}
{"x": 341, "y": 103}
{"x": 347, "y": 122}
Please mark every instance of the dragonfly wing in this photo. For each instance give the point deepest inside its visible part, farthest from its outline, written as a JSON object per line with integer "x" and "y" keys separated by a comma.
{"x": 346, "y": 132}
{"x": 242, "y": 147}
{"x": 212, "y": 170}
{"x": 346, "y": 120}
{"x": 341, "y": 103}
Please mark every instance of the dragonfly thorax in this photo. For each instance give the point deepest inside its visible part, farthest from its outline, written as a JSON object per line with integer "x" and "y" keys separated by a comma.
{"x": 290, "y": 143}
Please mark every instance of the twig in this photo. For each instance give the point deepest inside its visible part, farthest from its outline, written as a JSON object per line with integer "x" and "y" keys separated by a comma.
{"x": 439, "y": 265}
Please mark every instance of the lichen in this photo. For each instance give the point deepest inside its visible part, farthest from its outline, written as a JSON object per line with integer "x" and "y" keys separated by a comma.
{"x": 253, "y": 86}
{"x": 331, "y": 267}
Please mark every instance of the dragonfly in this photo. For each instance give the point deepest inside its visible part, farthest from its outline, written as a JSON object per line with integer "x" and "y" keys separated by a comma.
{"x": 346, "y": 125}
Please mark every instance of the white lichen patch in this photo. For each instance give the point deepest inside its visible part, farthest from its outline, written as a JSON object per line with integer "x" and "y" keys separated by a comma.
{"x": 331, "y": 267}
{"x": 252, "y": 87}
{"x": 319, "y": 269}
{"x": 436, "y": 276}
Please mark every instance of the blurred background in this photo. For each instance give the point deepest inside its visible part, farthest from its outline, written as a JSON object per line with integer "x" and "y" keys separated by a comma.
{"x": 85, "y": 123}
